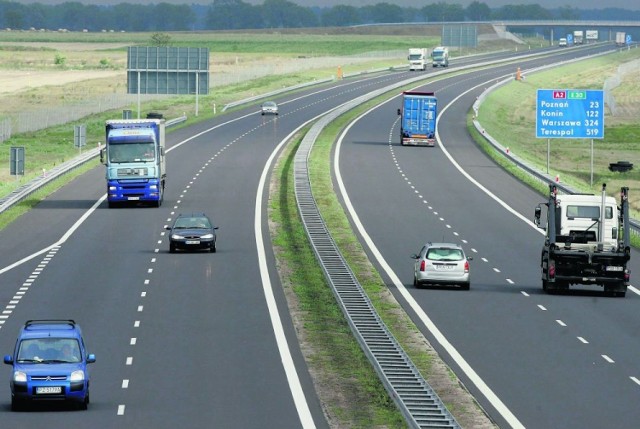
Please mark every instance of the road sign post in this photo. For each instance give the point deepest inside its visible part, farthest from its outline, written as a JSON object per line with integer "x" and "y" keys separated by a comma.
{"x": 569, "y": 114}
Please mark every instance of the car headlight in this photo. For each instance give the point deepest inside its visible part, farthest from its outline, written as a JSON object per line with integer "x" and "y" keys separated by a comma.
{"x": 153, "y": 187}
{"x": 177, "y": 237}
{"x": 112, "y": 188}
{"x": 206, "y": 236}
{"x": 77, "y": 376}
{"x": 20, "y": 377}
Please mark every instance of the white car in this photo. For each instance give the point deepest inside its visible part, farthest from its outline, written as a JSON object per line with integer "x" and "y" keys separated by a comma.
{"x": 562, "y": 42}
{"x": 441, "y": 264}
{"x": 269, "y": 108}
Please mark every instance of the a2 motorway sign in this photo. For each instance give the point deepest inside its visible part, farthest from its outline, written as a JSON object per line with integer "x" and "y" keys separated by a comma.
{"x": 569, "y": 114}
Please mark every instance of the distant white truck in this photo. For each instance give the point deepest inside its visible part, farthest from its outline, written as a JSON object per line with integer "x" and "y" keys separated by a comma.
{"x": 578, "y": 37}
{"x": 591, "y": 36}
{"x": 562, "y": 42}
{"x": 621, "y": 38}
{"x": 440, "y": 57}
{"x": 418, "y": 58}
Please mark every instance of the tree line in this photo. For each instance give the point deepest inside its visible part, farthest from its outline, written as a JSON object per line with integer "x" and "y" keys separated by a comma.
{"x": 239, "y": 15}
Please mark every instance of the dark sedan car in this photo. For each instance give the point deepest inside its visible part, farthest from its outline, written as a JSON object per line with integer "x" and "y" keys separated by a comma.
{"x": 193, "y": 231}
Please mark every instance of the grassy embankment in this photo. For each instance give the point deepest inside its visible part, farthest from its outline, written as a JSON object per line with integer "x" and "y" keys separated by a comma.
{"x": 509, "y": 115}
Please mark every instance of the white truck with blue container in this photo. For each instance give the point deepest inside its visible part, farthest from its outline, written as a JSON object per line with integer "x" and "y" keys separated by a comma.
{"x": 135, "y": 159}
{"x": 418, "y": 116}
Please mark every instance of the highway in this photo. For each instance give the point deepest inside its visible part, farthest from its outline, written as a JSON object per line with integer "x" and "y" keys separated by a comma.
{"x": 531, "y": 360}
{"x": 182, "y": 340}
{"x": 205, "y": 340}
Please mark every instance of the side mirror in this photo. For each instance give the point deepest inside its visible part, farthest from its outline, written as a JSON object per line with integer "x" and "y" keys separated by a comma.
{"x": 469, "y": 258}
{"x": 399, "y": 112}
{"x": 102, "y": 156}
{"x": 536, "y": 215}
{"x": 91, "y": 358}
{"x": 168, "y": 228}
{"x": 8, "y": 359}
{"x": 414, "y": 256}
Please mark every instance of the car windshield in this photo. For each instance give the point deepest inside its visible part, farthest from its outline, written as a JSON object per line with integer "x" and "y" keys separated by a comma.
{"x": 49, "y": 350}
{"x": 444, "y": 254}
{"x": 269, "y": 104}
{"x": 192, "y": 222}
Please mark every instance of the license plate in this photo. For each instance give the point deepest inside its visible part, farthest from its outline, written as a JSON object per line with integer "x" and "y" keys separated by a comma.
{"x": 133, "y": 198}
{"x": 193, "y": 242}
{"x": 48, "y": 390}
{"x": 445, "y": 267}
{"x": 614, "y": 268}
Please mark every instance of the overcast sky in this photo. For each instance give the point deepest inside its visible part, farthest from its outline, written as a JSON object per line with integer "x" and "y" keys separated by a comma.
{"x": 549, "y": 4}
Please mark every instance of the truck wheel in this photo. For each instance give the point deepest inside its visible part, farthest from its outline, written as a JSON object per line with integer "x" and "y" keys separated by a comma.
{"x": 544, "y": 285}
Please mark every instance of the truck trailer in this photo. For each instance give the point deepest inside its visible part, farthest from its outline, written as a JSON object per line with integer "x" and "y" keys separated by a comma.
{"x": 418, "y": 116}
{"x": 621, "y": 38}
{"x": 134, "y": 155}
{"x": 586, "y": 241}
{"x": 417, "y": 59}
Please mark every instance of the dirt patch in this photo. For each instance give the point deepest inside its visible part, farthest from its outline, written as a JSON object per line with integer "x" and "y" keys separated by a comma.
{"x": 15, "y": 81}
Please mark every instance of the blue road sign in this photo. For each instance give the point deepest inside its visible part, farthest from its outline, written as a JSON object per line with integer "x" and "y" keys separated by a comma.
{"x": 570, "y": 39}
{"x": 569, "y": 114}
{"x": 628, "y": 39}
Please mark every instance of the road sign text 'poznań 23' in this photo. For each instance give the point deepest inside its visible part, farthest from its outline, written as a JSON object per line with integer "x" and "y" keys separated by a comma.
{"x": 569, "y": 114}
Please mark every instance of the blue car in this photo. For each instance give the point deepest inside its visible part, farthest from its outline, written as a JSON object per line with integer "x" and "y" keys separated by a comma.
{"x": 50, "y": 364}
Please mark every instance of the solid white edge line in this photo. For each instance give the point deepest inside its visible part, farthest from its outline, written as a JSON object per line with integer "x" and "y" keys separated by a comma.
{"x": 431, "y": 327}
{"x": 306, "y": 419}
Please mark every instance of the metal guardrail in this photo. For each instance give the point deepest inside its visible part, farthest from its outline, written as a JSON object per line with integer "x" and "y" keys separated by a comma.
{"x": 47, "y": 177}
{"x": 518, "y": 162}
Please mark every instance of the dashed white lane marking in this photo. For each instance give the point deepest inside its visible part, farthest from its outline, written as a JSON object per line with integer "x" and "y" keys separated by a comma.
{"x": 129, "y": 360}
{"x": 125, "y": 384}
{"x": 136, "y": 324}
{"x": 133, "y": 341}
{"x": 541, "y": 307}
{"x": 607, "y": 358}
{"x": 510, "y": 281}
{"x": 561, "y": 323}
{"x": 583, "y": 341}
{"x": 635, "y": 380}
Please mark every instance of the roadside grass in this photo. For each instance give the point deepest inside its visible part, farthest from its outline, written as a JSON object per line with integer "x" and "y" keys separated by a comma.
{"x": 508, "y": 115}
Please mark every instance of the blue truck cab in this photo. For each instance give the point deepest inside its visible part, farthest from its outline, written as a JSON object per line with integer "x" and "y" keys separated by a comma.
{"x": 49, "y": 364}
{"x": 135, "y": 159}
{"x": 418, "y": 114}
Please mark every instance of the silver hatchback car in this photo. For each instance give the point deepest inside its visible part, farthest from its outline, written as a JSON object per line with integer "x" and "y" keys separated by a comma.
{"x": 441, "y": 264}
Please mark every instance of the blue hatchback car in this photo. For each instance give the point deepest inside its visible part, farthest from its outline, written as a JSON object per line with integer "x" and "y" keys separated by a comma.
{"x": 50, "y": 364}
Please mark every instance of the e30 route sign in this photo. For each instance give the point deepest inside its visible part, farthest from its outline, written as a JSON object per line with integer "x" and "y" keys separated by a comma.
{"x": 569, "y": 114}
